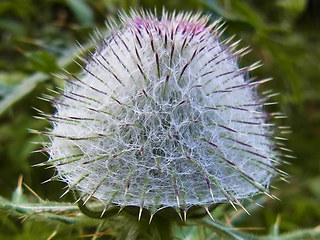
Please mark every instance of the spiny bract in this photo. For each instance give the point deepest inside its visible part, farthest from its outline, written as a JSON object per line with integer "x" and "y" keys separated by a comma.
{"x": 162, "y": 116}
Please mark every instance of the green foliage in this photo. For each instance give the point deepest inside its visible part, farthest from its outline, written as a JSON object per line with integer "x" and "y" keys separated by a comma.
{"x": 39, "y": 37}
{"x": 82, "y": 11}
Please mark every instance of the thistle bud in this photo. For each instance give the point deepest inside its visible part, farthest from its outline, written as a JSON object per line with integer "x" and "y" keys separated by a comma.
{"x": 162, "y": 116}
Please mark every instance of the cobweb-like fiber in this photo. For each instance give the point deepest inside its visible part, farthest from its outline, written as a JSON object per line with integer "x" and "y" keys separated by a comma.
{"x": 162, "y": 116}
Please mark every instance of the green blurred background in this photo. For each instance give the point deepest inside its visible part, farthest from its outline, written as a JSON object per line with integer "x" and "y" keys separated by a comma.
{"x": 38, "y": 37}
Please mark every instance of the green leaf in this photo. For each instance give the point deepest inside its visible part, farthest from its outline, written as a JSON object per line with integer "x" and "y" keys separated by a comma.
{"x": 12, "y": 25}
{"x": 43, "y": 62}
{"x": 21, "y": 90}
{"x": 304, "y": 234}
{"x": 246, "y": 13}
{"x": 232, "y": 233}
{"x": 227, "y": 231}
{"x": 82, "y": 11}
{"x": 26, "y": 86}
{"x": 294, "y": 7}
{"x": 237, "y": 11}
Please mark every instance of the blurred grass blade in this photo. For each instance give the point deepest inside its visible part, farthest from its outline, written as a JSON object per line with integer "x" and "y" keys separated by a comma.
{"x": 82, "y": 11}
{"x": 43, "y": 62}
{"x": 227, "y": 231}
{"x": 26, "y": 86}
{"x": 232, "y": 233}
{"x": 304, "y": 234}
{"x": 235, "y": 11}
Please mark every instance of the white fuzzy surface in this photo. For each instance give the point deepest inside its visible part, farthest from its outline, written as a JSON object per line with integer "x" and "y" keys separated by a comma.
{"x": 178, "y": 132}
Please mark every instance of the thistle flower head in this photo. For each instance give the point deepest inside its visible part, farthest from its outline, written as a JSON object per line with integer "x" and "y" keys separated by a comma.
{"x": 162, "y": 116}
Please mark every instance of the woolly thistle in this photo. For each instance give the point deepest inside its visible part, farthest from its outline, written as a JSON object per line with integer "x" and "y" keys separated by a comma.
{"x": 162, "y": 116}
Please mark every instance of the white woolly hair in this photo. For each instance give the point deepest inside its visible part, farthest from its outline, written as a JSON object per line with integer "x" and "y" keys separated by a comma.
{"x": 162, "y": 116}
